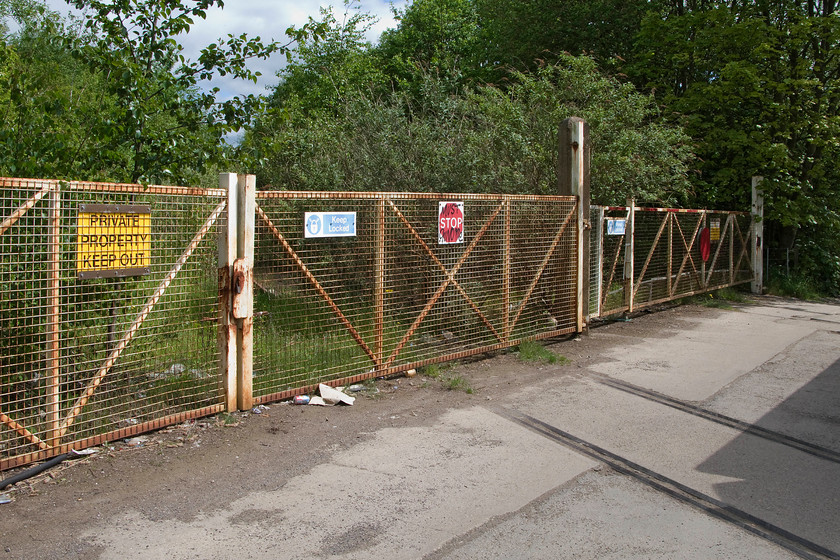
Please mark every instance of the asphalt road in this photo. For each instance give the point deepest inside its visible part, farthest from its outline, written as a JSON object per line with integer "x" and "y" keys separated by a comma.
{"x": 704, "y": 434}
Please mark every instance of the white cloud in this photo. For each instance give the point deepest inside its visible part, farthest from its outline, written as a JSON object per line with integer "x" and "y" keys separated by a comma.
{"x": 267, "y": 19}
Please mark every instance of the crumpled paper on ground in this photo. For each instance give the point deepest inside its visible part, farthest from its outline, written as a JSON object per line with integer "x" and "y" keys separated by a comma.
{"x": 330, "y": 396}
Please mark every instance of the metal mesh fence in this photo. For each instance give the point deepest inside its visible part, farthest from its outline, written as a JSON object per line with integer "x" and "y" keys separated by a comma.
{"x": 669, "y": 260}
{"x": 393, "y": 297}
{"x": 87, "y": 359}
{"x": 92, "y": 349}
{"x": 614, "y": 231}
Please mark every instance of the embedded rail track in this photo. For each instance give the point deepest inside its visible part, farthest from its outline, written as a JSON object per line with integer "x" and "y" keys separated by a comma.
{"x": 797, "y": 545}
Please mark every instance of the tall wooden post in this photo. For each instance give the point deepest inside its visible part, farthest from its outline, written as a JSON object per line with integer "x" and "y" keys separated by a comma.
{"x": 757, "y": 285}
{"x": 573, "y": 180}
{"x": 243, "y": 289}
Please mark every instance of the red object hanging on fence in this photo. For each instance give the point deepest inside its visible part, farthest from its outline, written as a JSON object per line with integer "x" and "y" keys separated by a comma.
{"x": 705, "y": 244}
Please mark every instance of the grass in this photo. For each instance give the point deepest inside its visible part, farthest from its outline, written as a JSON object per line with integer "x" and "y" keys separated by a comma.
{"x": 722, "y": 299}
{"x": 530, "y": 351}
{"x": 448, "y": 378}
{"x": 792, "y": 285}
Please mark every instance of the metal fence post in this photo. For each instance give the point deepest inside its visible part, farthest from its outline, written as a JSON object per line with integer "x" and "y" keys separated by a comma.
{"x": 573, "y": 180}
{"x": 629, "y": 254}
{"x": 54, "y": 324}
{"x": 236, "y": 284}
{"x": 227, "y": 325}
{"x": 599, "y": 262}
{"x": 243, "y": 289}
{"x": 757, "y": 285}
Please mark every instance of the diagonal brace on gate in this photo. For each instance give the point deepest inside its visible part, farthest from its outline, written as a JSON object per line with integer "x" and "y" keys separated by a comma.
{"x": 723, "y": 237}
{"x": 317, "y": 285}
{"x": 651, "y": 252}
{"x": 138, "y": 322}
{"x": 688, "y": 248}
{"x": 450, "y": 278}
{"x": 441, "y": 266}
{"x": 555, "y": 242}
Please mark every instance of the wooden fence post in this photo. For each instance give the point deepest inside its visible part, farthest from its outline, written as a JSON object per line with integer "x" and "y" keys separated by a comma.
{"x": 573, "y": 180}
{"x": 757, "y": 285}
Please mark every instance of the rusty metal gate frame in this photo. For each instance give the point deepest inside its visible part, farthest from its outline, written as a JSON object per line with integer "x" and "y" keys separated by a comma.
{"x": 383, "y": 365}
{"x": 57, "y": 428}
{"x": 701, "y": 273}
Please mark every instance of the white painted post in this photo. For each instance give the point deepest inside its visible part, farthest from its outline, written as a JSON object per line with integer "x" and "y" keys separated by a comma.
{"x": 757, "y": 285}
{"x": 227, "y": 324}
{"x": 629, "y": 253}
{"x": 243, "y": 290}
{"x": 236, "y": 295}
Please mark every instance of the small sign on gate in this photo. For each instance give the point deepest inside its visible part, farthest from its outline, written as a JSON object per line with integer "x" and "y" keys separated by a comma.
{"x": 714, "y": 229}
{"x": 616, "y": 226}
{"x": 450, "y": 222}
{"x": 329, "y": 224}
{"x": 113, "y": 240}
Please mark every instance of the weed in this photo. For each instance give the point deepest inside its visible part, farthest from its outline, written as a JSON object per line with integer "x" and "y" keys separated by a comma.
{"x": 530, "y": 351}
{"x": 227, "y": 418}
{"x": 458, "y": 383}
{"x": 793, "y": 285}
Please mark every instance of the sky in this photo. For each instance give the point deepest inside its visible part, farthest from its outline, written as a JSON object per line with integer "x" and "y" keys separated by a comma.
{"x": 267, "y": 19}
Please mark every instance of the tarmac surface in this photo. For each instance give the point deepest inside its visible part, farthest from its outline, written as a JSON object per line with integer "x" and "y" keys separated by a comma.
{"x": 686, "y": 433}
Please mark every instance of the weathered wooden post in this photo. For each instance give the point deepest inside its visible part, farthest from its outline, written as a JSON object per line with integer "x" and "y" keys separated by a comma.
{"x": 236, "y": 279}
{"x": 757, "y": 285}
{"x": 573, "y": 180}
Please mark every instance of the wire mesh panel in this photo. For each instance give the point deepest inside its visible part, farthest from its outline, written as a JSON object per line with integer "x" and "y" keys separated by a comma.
{"x": 651, "y": 257}
{"x": 402, "y": 291}
{"x": 729, "y": 255}
{"x": 313, "y": 301}
{"x": 92, "y": 352}
{"x": 686, "y": 259}
{"x": 675, "y": 253}
{"x": 596, "y": 258}
{"x": 615, "y": 229}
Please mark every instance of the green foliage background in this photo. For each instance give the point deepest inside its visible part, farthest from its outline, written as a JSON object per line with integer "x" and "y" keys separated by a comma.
{"x": 686, "y": 99}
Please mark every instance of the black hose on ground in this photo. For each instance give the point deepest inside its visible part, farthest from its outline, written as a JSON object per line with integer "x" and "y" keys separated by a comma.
{"x": 29, "y": 473}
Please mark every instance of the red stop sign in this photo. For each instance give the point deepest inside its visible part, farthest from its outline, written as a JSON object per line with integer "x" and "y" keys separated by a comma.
{"x": 451, "y": 222}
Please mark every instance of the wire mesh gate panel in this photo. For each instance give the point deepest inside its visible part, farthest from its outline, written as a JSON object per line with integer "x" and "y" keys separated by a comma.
{"x": 89, "y": 359}
{"x": 647, "y": 256}
{"x": 393, "y": 296}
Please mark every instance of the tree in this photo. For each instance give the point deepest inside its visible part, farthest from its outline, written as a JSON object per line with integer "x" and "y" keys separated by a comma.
{"x": 757, "y": 84}
{"x": 167, "y": 124}
{"x": 323, "y": 70}
{"x": 524, "y": 35}
{"x": 50, "y": 103}
{"x": 487, "y": 139}
{"x": 434, "y": 36}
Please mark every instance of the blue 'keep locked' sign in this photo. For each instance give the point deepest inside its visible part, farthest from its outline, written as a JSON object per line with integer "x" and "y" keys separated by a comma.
{"x": 329, "y": 224}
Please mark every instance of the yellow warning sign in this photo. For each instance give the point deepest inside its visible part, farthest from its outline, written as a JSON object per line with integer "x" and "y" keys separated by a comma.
{"x": 714, "y": 229}
{"x": 113, "y": 240}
